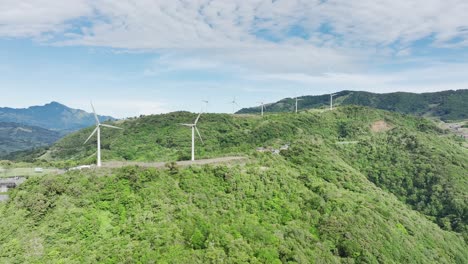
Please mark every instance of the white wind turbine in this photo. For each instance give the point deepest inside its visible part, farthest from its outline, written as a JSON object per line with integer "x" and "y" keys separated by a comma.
{"x": 194, "y": 128}
{"x": 234, "y": 104}
{"x": 206, "y": 106}
{"x": 331, "y": 101}
{"x": 263, "y": 106}
{"x": 98, "y": 131}
{"x": 297, "y": 100}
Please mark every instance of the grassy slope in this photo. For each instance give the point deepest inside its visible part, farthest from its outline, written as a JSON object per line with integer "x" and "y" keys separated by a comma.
{"x": 316, "y": 201}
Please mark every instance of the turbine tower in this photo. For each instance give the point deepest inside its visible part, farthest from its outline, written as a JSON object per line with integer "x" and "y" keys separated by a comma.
{"x": 331, "y": 101}
{"x": 263, "y": 106}
{"x": 206, "y": 106}
{"x": 98, "y": 131}
{"x": 297, "y": 100}
{"x": 234, "y": 104}
{"x": 194, "y": 128}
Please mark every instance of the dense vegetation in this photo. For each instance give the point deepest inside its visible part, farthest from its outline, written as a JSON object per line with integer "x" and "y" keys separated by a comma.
{"x": 17, "y": 137}
{"x": 356, "y": 185}
{"x": 273, "y": 210}
{"x": 446, "y": 105}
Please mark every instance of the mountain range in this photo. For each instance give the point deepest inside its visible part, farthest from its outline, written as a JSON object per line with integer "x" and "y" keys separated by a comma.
{"x": 445, "y": 105}
{"x": 27, "y": 128}
{"x": 52, "y": 116}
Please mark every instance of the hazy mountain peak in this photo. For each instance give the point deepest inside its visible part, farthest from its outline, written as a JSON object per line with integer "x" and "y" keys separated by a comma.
{"x": 53, "y": 115}
{"x": 55, "y": 103}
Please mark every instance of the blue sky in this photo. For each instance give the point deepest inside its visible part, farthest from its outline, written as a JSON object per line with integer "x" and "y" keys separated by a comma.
{"x": 144, "y": 57}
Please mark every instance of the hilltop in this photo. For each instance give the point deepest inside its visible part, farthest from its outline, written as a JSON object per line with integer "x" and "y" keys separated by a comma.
{"x": 355, "y": 185}
{"x": 445, "y": 105}
{"x": 52, "y": 116}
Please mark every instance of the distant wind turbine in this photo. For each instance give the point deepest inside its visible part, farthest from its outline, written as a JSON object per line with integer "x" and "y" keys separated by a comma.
{"x": 206, "y": 105}
{"x": 234, "y": 104}
{"x": 194, "y": 128}
{"x": 98, "y": 131}
{"x": 297, "y": 100}
{"x": 331, "y": 101}
{"x": 263, "y": 106}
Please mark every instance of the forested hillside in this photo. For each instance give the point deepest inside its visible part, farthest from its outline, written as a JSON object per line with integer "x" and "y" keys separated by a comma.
{"x": 446, "y": 105}
{"x": 355, "y": 185}
{"x": 17, "y": 137}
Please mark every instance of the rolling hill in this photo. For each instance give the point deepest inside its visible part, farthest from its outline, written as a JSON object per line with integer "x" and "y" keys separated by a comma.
{"x": 446, "y": 105}
{"x": 52, "y": 116}
{"x": 355, "y": 185}
{"x": 15, "y": 137}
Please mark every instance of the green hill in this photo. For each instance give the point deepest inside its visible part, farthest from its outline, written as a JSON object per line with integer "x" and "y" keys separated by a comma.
{"x": 356, "y": 185}
{"x": 17, "y": 137}
{"x": 446, "y": 105}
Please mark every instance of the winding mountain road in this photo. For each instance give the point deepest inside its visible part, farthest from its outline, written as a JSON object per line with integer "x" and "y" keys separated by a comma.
{"x": 118, "y": 164}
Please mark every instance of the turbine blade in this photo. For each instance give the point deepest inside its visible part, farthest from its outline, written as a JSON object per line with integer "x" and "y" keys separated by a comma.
{"x": 92, "y": 134}
{"x": 109, "y": 126}
{"x": 198, "y": 117}
{"x": 187, "y": 125}
{"x": 95, "y": 115}
{"x": 198, "y": 132}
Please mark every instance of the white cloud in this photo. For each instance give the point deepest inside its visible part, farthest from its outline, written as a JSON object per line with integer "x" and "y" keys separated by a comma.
{"x": 150, "y": 24}
{"x": 428, "y": 79}
{"x": 339, "y": 32}
{"x": 284, "y": 41}
{"x": 19, "y": 18}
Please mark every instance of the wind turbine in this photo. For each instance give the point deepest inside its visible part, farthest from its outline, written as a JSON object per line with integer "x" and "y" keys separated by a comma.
{"x": 297, "y": 100}
{"x": 206, "y": 105}
{"x": 234, "y": 104}
{"x": 263, "y": 106}
{"x": 331, "y": 101}
{"x": 194, "y": 128}
{"x": 98, "y": 131}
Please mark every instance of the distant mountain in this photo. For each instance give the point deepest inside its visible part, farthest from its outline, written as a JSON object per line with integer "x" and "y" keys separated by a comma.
{"x": 52, "y": 116}
{"x": 16, "y": 137}
{"x": 446, "y": 105}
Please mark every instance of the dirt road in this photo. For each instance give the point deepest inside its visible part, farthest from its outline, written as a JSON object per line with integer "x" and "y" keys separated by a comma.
{"x": 118, "y": 164}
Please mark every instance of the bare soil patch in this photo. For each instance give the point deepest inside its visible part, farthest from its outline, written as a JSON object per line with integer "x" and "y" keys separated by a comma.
{"x": 380, "y": 126}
